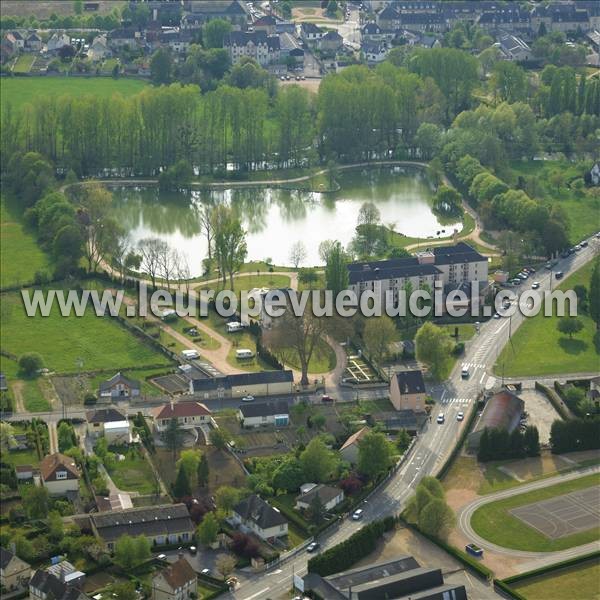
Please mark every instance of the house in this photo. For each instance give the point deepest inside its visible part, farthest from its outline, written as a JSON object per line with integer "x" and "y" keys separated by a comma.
{"x": 450, "y": 265}
{"x": 560, "y": 17}
{"x": 178, "y": 41}
{"x": 59, "y": 474}
{"x": 407, "y": 391}
{"x": 33, "y": 42}
{"x": 502, "y": 411}
{"x": 230, "y": 11}
{"x": 14, "y": 572}
{"x": 99, "y": 49}
{"x": 261, "y": 383}
{"x": 98, "y": 419}
{"x": 191, "y": 22}
{"x": 67, "y": 573}
{"x": 429, "y": 41}
{"x": 160, "y": 524}
{"x": 47, "y": 586}
{"x": 509, "y": 19}
{"x": 371, "y": 32}
{"x": 429, "y": 21}
{"x": 189, "y": 414}
{"x": 263, "y": 414}
{"x": 119, "y": 38}
{"x": 329, "y": 497}
{"x": 119, "y": 386}
{"x": 311, "y": 33}
{"x": 24, "y": 472}
{"x": 595, "y": 174}
{"x": 8, "y": 47}
{"x": 374, "y": 52}
{"x": 19, "y": 40}
{"x": 57, "y": 41}
{"x": 389, "y": 18}
{"x": 266, "y": 23}
{"x": 285, "y": 27}
{"x": 255, "y": 515}
{"x": 349, "y": 449}
{"x": 401, "y": 577}
{"x": 332, "y": 41}
{"x": 263, "y": 48}
{"x": 178, "y": 581}
{"x": 514, "y": 48}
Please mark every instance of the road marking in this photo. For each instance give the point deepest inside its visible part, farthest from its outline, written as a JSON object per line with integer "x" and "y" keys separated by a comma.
{"x": 482, "y": 378}
{"x": 257, "y": 594}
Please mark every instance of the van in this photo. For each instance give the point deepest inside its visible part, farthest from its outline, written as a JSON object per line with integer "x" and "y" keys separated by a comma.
{"x": 234, "y": 326}
{"x": 244, "y": 353}
{"x": 190, "y": 354}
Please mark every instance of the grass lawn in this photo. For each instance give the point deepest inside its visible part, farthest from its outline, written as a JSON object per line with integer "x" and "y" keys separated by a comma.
{"x": 24, "y": 63}
{"x": 21, "y": 457}
{"x": 581, "y": 582}
{"x": 202, "y": 340}
{"x": 465, "y": 331}
{"x": 21, "y": 257}
{"x": 494, "y": 523}
{"x": 248, "y": 282}
{"x": 19, "y": 91}
{"x": 204, "y": 590}
{"x": 33, "y": 398}
{"x": 580, "y": 210}
{"x": 538, "y": 348}
{"x": 99, "y": 341}
{"x": 243, "y": 339}
{"x": 133, "y": 474}
{"x": 402, "y": 241}
{"x": 322, "y": 359}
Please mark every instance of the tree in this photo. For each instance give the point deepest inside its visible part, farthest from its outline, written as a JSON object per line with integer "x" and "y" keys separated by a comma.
{"x": 203, "y": 471}
{"x": 161, "y": 66}
{"x": 447, "y": 200}
{"x": 379, "y": 333}
{"x": 594, "y": 295}
{"x": 436, "y": 519}
{"x": 30, "y": 363}
{"x": 182, "y": 486}
{"x": 208, "y": 529}
{"x": 374, "y": 455}
{"x": 66, "y": 436}
{"x": 569, "y": 326}
{"x": 317, "y": 510}
{"x": 531, "y": 441}
{"x": 172, "y": 436}
{"x": 308, "y": 277}
{"x": 214, "y": 31}
{"x": 510, "y": 81}
{"x": 177, "y": 176}
{"x": 219, "y": 438}
{"x": 336, "y": 269}
{"x": 434, "y": 348}
{"x": 189, "y": 460}
{"x": 224, "y": 564}
{"x": 428, "y": 140}
{"x": 55, "y": 526}
{"x": 297, "y": 253}
{"x": 289, "y": 475}
{"x": 318, "y": 461}
{"x": 403, "y": 440}
{"x": 368, "y": 227}
{"x": 35, "y": 502}
{"x": 230, "y": 247}
{"x": 227, "y": 497}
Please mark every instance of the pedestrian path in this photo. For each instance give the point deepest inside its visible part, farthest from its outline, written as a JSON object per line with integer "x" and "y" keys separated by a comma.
{"x": 457, "y": 401}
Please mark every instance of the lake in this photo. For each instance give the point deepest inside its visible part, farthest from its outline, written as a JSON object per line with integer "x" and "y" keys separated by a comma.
{"x": 275, "y": 219}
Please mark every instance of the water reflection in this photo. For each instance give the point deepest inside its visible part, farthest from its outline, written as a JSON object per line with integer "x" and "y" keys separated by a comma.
{"x": 275, "y": 219}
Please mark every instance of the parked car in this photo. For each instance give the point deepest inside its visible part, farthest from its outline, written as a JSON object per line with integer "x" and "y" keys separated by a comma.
{"x": 440, "y": 418}
{"x": 357, "y": 515}
{"x": 162, "y": 557}
{"x": 535, "y": 285}
{"x": 584, "y": 244}
{"x": 460, "y": 415}
{"x": 326, "y": 398}
{"x": 248, "y": 398}
{"x": 577, "y": 248}
{"x": 312, "y": 546}
{"x": 205, "y": 572}
{"x": 193, "y": 549}
{"x": 558, "y": 274}
{"x": 497, "y": 316}
{"x": 464, "y": 373}
{"x": 474, "y": 550}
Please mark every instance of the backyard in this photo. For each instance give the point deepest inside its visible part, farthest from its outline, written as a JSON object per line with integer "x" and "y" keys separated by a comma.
{"x": 133, "y": 473}
{"x": 538, "y": 348}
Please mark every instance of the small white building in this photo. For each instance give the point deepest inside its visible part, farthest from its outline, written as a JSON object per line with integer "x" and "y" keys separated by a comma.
{"x": 255, "y": 515}
{"x": 59, "y": 474}
{"x": 99, "y": 420}
{"x": 188, "y": 414}
{"x": 329, "y": 497}
{"x": 119, "y": 386}
{"x": 264, "y": 414}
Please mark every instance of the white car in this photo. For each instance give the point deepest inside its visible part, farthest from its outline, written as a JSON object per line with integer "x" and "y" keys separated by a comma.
{"x": 162, "y": 557}
{"x": 357, "y": 514}
{"x": 248, "y": 398}
{"x": 205, "y": 572}
{"x": 464, "y": 372}
{"x": 535, "y": 285}
{"x": 460, "y": 415}
{"x": 440, "y": 418}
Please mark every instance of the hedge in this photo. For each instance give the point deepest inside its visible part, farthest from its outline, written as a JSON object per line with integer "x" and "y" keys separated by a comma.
{"x": 507, "y": 590}
{"x": 360, "y": 544}
{"x": 556, "y": 402}
{"x": 570, "y": 562}
{"x": 480, "y": 569}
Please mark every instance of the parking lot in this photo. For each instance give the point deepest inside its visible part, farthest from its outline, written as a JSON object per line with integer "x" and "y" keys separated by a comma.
{"x": 540, "y": 412}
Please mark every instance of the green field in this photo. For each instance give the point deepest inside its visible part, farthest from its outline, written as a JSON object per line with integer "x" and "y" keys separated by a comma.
{"x": 248, "y": 282}
{"x": 538, "y": 348}
{"x": 581, "y": 582}
{"x": 19, "y": 91}
{"x": 99, "y": 341}
{"x": 134, "y": 474}
{"x": 33, "y": 398}
{"x": 494, "y": 523}
{"x": 21, "y": 257}
{"x": 583, "y": 212}
{"x": 24, "y": 63}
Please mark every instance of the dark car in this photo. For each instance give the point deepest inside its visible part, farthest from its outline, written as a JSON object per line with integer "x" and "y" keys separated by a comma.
{"x": 559, "y": 274}
{"x": 326, "y": 398}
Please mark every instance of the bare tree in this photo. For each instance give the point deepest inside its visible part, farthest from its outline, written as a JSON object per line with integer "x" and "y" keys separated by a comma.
{"x": 206, "y": 225}
{"x": 225, "y": 563}
{"x": 122, "y": 247}
{"x": 168, "y": 258}
{"x": 297, "y": 253}
{"x": 182, "y": 270}
{"x": 151, "y": 250}
{"x": 324, "y": 249}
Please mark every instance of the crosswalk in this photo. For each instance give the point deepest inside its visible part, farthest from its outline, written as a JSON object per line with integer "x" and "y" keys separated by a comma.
{"x": 473, "y": 365}
{"x": 456, "y": 401}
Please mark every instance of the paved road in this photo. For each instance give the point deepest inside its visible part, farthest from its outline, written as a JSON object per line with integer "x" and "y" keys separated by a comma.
{"x": 541, "y": 558}
{"x": 433, "y": 445}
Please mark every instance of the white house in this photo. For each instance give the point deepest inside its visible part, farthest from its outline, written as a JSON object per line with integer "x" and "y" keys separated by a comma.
{"x": 99, "y": 49}
{"x": 263, "y": 414}
{"x": 264, "y": 49}
{"x": 375, "y": 52}
{"x": 329, "y": 497}
{"x": 57, "y": 41}
{"x": 119, "y": 386}
{"x": 255, "y": 515}
{"x": 59, "y": 474}
{"x": 99, "y": 420}
{"x": 178, "y": 581}
{"x": 14, "y": 572}
{"x": 188, "y": 414}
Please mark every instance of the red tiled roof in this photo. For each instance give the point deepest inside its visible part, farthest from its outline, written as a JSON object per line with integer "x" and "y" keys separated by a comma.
{"x": 179, "y": 573}
{"x": 58, "y": 462}
{"x": 355, "y": 437}
{"x": 180, "y": 409}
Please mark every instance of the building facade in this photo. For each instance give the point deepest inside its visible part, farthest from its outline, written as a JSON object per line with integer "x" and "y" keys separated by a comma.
{"x": 407, "y": 391}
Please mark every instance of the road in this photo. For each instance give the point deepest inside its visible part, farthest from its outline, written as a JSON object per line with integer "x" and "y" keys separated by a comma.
{"x": 433, "y": 445}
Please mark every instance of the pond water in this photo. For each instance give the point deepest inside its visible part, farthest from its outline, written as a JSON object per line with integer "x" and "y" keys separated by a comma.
{"x": 275, "y": 219}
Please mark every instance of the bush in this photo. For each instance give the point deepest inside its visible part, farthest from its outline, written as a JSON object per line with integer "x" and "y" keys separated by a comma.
{"x": 30, "y": 363}
{"x": 89, "y": 399}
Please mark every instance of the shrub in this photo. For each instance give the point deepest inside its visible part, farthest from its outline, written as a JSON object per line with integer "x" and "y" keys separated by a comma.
{"x": 89, "y": 399}
{"x": 30, "y": 363}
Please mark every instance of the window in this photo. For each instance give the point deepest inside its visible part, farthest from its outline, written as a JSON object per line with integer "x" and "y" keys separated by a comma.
{"x": 61, "y": 474}
{"x": 185, "y": 537}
